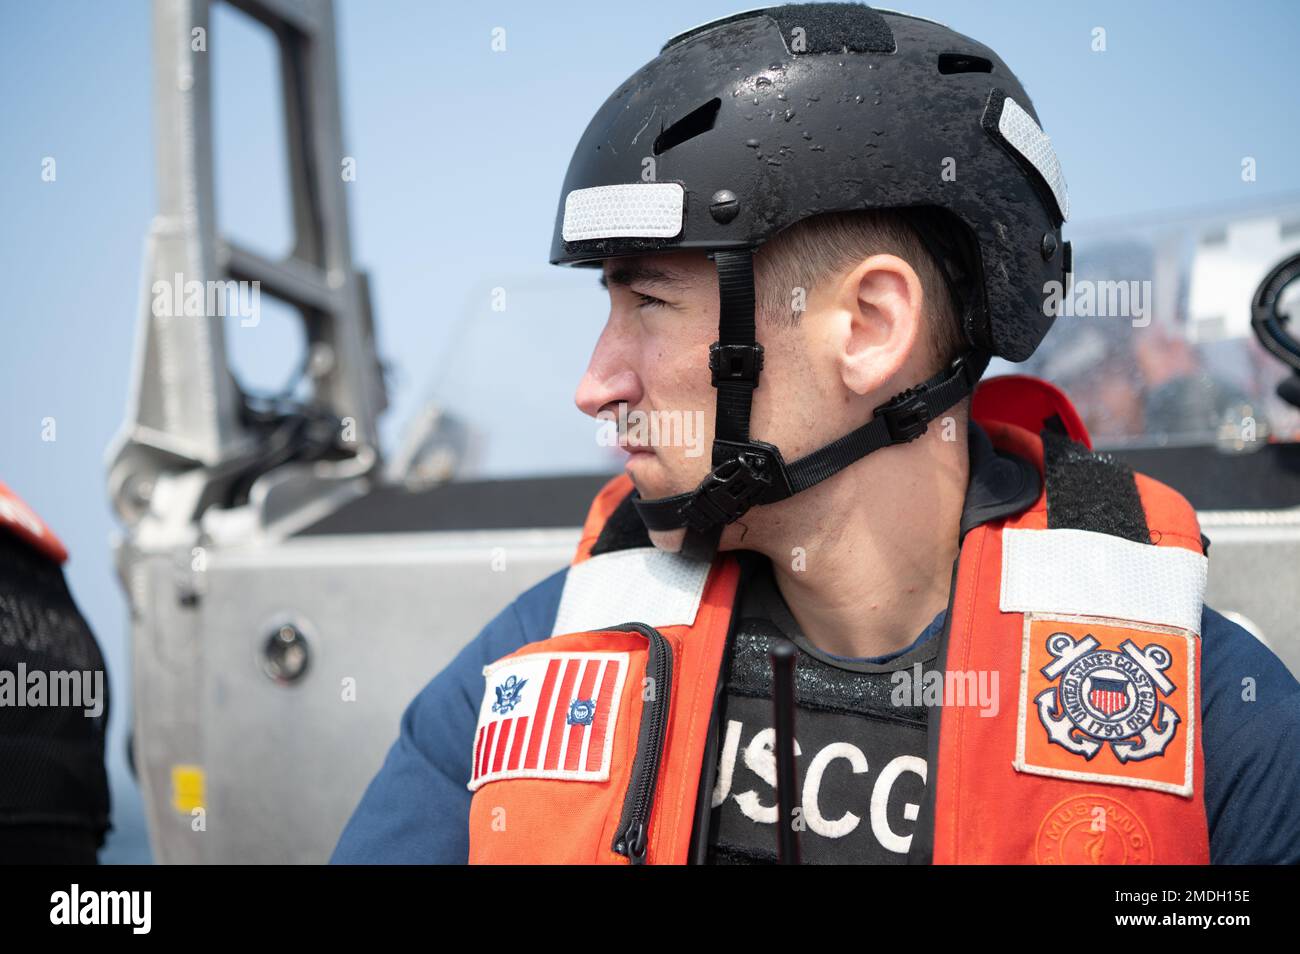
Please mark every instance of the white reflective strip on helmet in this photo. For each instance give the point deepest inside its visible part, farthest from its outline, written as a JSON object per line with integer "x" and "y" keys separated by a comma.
{"x": 633, "y": 210}
{"x": 1020, "y": 131}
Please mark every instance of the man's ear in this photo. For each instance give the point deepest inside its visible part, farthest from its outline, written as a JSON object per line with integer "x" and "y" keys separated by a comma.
{"x": 880, "y": 308}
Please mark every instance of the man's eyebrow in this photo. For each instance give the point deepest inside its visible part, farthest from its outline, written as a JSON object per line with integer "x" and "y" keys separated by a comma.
{"x": 626, "y": 274}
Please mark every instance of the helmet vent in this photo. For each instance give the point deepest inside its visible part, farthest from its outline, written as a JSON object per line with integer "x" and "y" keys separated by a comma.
{"x": 963, "y": 63}
{"x": 697, "y": 122}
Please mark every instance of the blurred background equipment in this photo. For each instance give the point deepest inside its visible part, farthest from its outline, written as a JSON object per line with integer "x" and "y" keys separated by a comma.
{"x": 1273, "y": 309}
{"x": 288, "y": 597}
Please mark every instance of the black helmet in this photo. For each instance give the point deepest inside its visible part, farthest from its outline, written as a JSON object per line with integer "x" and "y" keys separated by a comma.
{"x": 748, "y": 124}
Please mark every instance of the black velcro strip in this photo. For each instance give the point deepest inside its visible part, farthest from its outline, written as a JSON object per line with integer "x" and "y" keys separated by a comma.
{"x": 834, "y": 27}
{"x": 1093, "y": 491}
{"x": 822, "y": 27}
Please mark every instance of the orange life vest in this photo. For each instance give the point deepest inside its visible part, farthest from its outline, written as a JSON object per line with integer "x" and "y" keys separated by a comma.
{"x": 590, "y": 744}
{"x": 22, "y": 520}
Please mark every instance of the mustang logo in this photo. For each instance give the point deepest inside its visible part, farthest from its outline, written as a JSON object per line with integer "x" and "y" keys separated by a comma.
{"x": 1107, "y": 697}
{"x": 508, "y": 694}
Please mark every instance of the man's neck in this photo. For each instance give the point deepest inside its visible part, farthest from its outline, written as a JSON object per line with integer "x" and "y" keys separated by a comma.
{"x": 864, "y": 561}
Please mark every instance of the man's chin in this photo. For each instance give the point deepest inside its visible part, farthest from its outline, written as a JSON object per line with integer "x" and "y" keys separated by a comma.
{"x": 637, "y": 460}
{"x": 670, "y": 541}
{"x": 645, "y": 475}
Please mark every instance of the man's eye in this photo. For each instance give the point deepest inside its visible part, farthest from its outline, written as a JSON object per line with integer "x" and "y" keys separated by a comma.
{"x": 648, "y": 301}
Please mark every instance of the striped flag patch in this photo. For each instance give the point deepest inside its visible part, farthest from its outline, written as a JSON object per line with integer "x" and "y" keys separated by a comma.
{"x": 549, "y": 715}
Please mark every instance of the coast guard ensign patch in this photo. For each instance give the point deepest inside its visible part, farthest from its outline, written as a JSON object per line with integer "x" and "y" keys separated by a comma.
{"x": 1104, "y": 700}
{"x": 548, "y": 715}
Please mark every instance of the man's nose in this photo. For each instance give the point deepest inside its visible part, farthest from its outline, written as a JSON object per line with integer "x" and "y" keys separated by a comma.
{"x": 601, "y": 387}
{"x": 609, "y": 378}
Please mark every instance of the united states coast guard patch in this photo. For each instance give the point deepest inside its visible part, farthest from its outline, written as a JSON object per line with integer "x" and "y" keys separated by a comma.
{"x": 548, "y": 715}
{"x": 1104, "y": 700}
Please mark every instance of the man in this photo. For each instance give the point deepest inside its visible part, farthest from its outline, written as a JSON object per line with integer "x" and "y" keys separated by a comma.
{"x": 54, "y": 795}
{"x": 1003, "y": 651}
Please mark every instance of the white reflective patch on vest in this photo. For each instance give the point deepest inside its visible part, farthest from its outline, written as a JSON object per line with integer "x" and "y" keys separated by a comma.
{"x": 641, "y": 585}
{"x": 548, "y": 715}
{"x": 627, "y": 210}
{"x": 1080, "y": 572}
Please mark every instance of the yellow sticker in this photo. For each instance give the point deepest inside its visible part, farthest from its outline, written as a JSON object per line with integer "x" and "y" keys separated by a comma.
{"x": 187, "y": 788}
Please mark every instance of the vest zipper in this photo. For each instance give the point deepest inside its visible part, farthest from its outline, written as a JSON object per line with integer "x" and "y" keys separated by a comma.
{"x": 633, "y": 834}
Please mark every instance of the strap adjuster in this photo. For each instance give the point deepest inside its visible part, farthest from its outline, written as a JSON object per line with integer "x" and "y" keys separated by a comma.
{"x": 735, "y": 362}
{"x": 906, "y": 416}
{"x": 963, "y": 365}
{"x": 730, "y": 489}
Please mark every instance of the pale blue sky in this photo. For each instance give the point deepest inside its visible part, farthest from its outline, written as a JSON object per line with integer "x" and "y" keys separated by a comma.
{"x": 460, "y": 153}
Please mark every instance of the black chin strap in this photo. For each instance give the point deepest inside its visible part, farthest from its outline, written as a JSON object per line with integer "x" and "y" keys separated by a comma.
{"x": 748, "y": 472}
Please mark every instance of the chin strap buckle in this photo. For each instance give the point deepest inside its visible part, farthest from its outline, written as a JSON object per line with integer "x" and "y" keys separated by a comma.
{"x": 731, "y": 488}
{"x": 906, "y": 415}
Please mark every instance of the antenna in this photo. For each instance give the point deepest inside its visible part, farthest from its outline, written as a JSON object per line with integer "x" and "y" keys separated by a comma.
{"x": 782, "y": 656}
